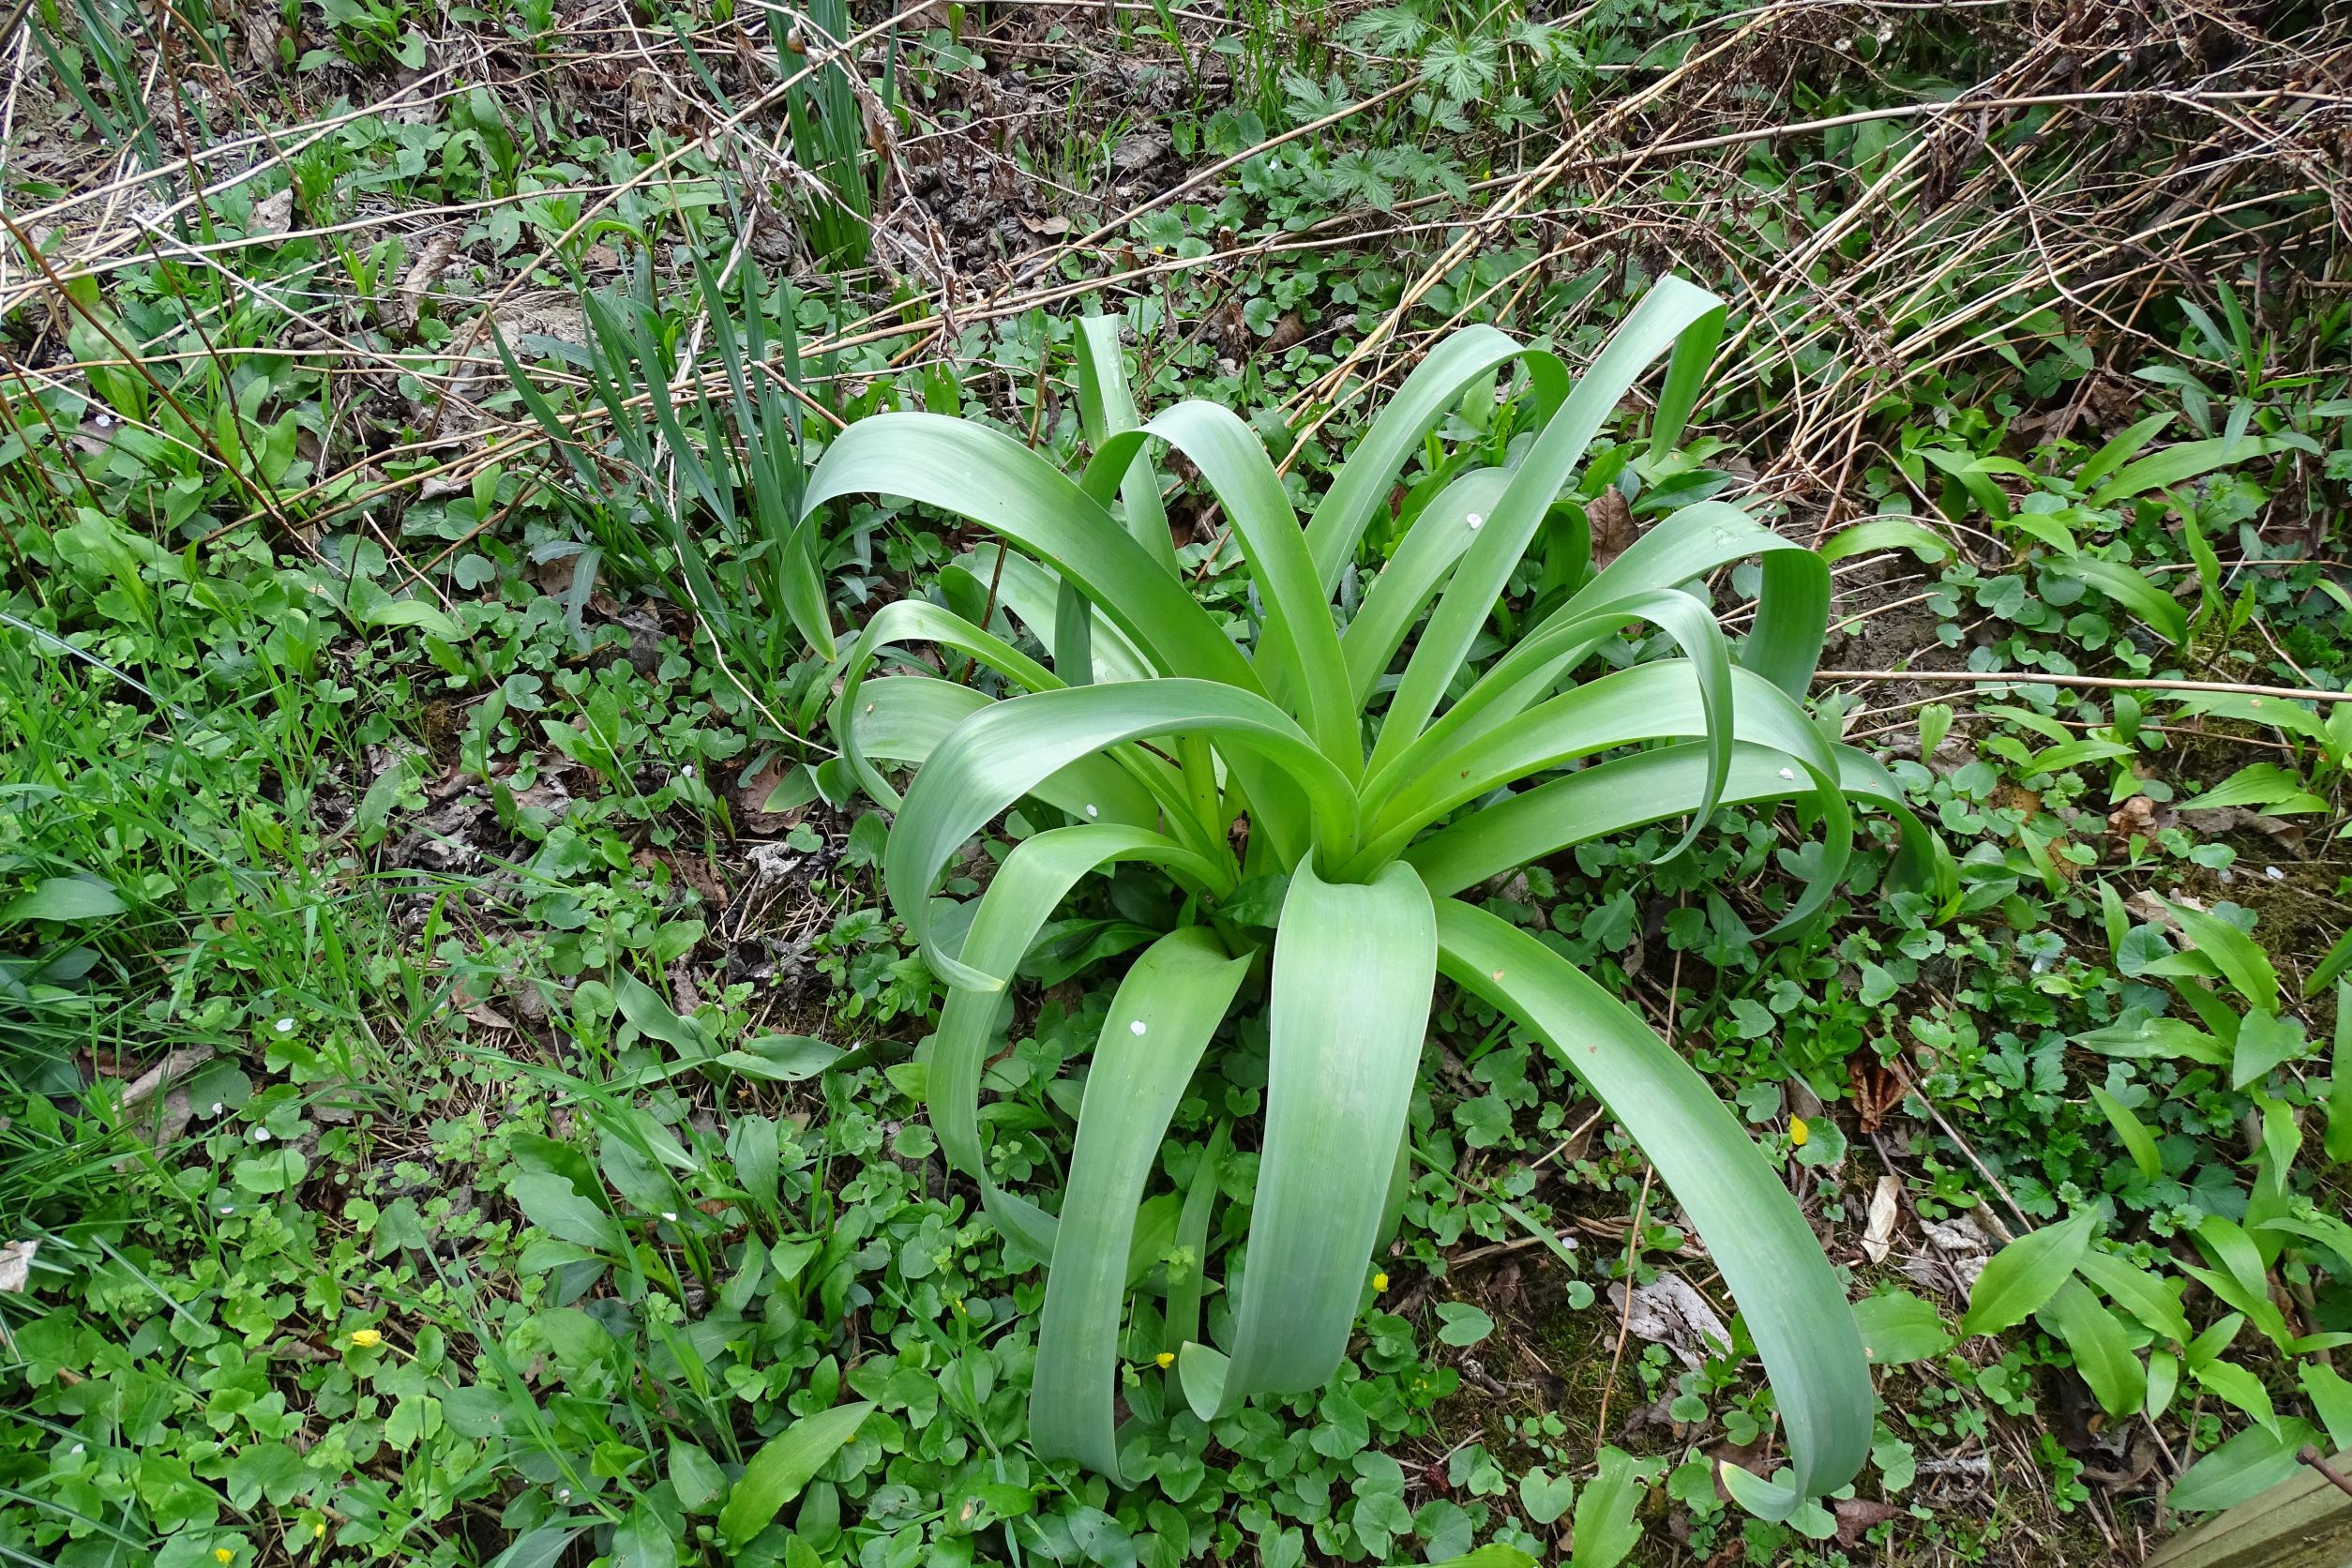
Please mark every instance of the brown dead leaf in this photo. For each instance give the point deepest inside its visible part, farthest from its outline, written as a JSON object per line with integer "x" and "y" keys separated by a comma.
{"x": 1879, "y": 1087}
{"x": 2138, "y": 817}
{"x": 401, "y": 310}
{"x": 1856, "y": 1515}
{"x": 16, "y": 1264}
{"x": 1879, "y": 1239}
{"x": 750, "y": 801}
{"x": 1611, "y": 517}
{"x": 1049, "y": 227}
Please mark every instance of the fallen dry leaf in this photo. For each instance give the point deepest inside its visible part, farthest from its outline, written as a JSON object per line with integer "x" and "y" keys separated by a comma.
{"x": 1671, "y": 1312}
{"x": 16, "y": 1263}
{"x": 1611, "y": 517}
{"x": 1879, "y": 1238}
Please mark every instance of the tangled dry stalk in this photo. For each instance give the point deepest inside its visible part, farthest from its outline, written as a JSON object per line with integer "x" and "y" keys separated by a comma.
{"x": 2118, "y": 149}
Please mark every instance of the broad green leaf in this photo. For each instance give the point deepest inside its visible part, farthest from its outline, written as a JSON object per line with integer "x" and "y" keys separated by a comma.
{"x": 1299, "y": 638}
{"x": 411, "y": 612}
{"x": 66, "y": 899}
{"x": 1648, "y": 786}
{"x": 1543, "y": 1498}
{"x": 2144, "y": 1295}
{"x": 1160, "y": 1021}
{"x": 2338, "y": 1142}
{"x": 1354, "y": 966}
{"x": 1106, "y": 407}
{"x": 998, "y": 754}
{"x": 1664, "y": 314}
{"x": 1887, "y": 533}
{"x": 987, "y": 476}
{"x": 2227, "y": 1381}
{"x": 903, "y": 719}
{"x": 2246, "y": 1465}
{"x": 2331, "y": 969}
{"x": 2139, "y": 594}
{"x": 1605, "y": 1532}
{"x": 2265, "y": 785}
{"x": 1897, "y": 1328}
{"x": 2234, "y": 953}
{"x": 2026, "y": 1273}
{"x": 1794, "y": 1307}
{"x": 2101, "y": 1348}
{"x": 2137, "y": 1140}
{"x": 1427, "y": 396}
{"x": 2123, "y": 449}
{"x": 785, "y": 1464}
{"x": 1026, "y": 890}
{"x": 2176, "y": 465}
{"x": 1411, "y": 579}
{"x": 2265, "y": 1040}
{"x": 555, "y": 1206}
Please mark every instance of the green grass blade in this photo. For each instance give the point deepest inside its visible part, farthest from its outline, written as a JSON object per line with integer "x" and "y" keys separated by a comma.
{"x": 1353, "y": 969}
{"x": 1795, "y": 1309}
{"x": 1160, "y": 1021}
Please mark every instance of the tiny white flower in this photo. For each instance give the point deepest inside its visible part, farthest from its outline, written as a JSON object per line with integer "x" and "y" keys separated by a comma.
{"x": 670, "y": 1216}
{"x": 2274, "y": 873}
{"x": 216, "y": 1107}
{"x": 285, "y": 1026}
{"x": 1092, "y": 812}
{"x": 687, "y": 770}
{"x": 75, "y": 1449}
{"x": 1474, "y": 520}
{"x": 228, "y": 1208}
{"x": 563, "y": 1495}
{"x": 1135, "y": 1027}
{"x": 1790, "y": 775}
{"x": 261, "y": 1135}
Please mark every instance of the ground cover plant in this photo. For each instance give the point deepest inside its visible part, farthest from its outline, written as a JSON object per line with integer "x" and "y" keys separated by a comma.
{"x": 636, "y": 638}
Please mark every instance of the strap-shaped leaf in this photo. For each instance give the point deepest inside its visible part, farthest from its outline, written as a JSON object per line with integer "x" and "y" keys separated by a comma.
{"x": 1646, "y": 701}
{"x": 1651, "y": 786}
{"x": 1106, "y": 407}
{"x": 1300, "y": 664}
{"x": 987, "y": 476}
{"x": 1435, "y": 386}
{"x": 1022, "y": 897}
{"x": 1354, "y": 965}
{"x": 1649, "y": 330}
{"x": 1411, "y": 579}
{"x": 904, "y": 718}
{"x": 1001, "y": 752}
{"x": 1160, "y": 1021}
{"x": 1796, "y": 1310}
{"x": 1681, "y": 616}
{"x": 1031, "y": 595}
{"x": 919, "y": 621}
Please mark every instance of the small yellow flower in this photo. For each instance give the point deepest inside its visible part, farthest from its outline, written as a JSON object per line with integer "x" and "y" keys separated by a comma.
{"x": 1797, "y": 1131}
{"x": 318, "y": 1532}
{"x": 364, "y": 1339}
{"x": 1379, "y": 1282}
{"x": 1165, "y": 1359}
{"x": 222, "y": 1554}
